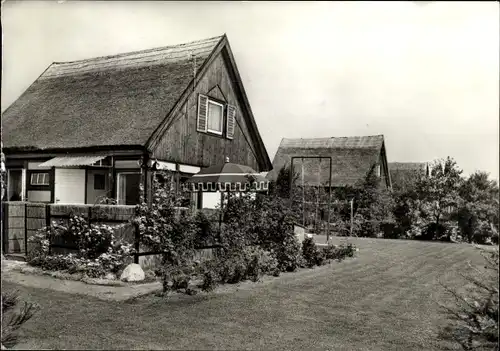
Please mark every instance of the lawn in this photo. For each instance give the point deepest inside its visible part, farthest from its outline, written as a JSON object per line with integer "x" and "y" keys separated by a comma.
{"x": 381, "y": 300}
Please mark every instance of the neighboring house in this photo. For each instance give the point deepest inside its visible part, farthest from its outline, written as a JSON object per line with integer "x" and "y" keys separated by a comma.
{"x": 100, "y": 127}
{"x": 402, "y": 173}
{"x": 352, "y": 159}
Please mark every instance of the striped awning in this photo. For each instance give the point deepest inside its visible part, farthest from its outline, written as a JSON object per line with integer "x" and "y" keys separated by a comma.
{"x": 71, "y": 161}
{"x": 227, "y": 177}
{"x": 254, "y": 186}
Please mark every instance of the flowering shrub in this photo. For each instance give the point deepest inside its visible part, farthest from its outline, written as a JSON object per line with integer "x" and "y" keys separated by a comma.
{"x": 99, "y": 252}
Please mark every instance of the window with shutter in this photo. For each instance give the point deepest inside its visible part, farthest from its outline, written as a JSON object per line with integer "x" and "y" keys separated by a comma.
{"x": 215, "y": 117}
{"x": 201, "y": 125}
{"x": 231, "y": 121}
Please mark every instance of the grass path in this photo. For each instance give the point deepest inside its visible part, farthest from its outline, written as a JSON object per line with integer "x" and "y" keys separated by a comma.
{"x": 381, "y": 300}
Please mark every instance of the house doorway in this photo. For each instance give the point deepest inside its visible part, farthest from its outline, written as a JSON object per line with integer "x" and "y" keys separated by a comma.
{"x": 15, "y": 184}
{"x": 98, "y": 185}
{"x": 128, "y": 188}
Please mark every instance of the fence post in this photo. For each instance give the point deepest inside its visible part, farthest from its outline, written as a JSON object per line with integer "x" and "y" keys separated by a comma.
{"x": 47, "y": 223}
{"x": 3, "y": 207}
{"x": 26, "y": 228}
{"x": 89, "y": 215}
{"x": 136, "y": 243}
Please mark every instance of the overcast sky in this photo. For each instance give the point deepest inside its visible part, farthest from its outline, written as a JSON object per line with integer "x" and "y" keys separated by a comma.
{"x": 424, "y": 75}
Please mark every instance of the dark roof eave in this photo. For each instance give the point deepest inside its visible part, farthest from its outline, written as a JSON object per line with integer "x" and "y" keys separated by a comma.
{"x": 33, "y": 149}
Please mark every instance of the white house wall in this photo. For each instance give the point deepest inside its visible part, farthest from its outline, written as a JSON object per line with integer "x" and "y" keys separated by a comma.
{"x": 69, "y": 186}
{"x": 211, "y": 200}
{"x": 39, "y": 195}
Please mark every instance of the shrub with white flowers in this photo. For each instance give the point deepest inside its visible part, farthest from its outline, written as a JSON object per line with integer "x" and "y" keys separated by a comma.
{"x": 99, "y": 251}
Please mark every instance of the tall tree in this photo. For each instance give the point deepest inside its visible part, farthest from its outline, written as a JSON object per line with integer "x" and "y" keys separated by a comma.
{"x": 478, "y": 214}
{"x": 374, "y": 204}
{"x": 438, "y": 196}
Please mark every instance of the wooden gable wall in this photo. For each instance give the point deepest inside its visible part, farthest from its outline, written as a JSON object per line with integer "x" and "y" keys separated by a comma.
{"x": 384, "y": 167}
{"x": 183, "y": 144}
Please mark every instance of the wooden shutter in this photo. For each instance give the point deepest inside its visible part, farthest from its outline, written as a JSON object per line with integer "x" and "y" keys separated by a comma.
{"x": 202, "y": 122}
{"x": 231, "y": 121}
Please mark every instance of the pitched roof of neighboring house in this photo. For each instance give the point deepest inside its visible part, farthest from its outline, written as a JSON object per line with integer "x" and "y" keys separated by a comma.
{"x": 118, "y": 100}
{"x": 352, "y": 158}
{"x": 408, "y": 166}
{"x": 401, "y": 171}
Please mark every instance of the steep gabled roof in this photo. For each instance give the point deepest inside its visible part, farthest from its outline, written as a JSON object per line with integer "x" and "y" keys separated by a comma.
{"x": 111, "y": 100}
{"x": 118, "y": 100}
{"x": 352, "y": 158}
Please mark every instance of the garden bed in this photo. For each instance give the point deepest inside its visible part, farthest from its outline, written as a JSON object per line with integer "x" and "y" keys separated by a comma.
{"x": 63, "y": 275}
{"x": 115, "y": 290}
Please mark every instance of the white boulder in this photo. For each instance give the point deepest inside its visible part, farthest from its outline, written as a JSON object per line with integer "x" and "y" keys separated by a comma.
{"x": 132, "y": 273}
{"x": 110, "y": 276}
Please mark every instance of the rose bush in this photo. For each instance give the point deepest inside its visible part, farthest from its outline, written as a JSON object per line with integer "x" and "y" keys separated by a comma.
{"x": 98, "y": 250}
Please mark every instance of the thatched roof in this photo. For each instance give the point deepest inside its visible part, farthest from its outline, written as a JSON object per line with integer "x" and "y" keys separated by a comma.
{"x": 106, "y": 101}
{"x": 352, "y": 158}
{"x": 402, "y": 172}
{"x": 408, "y": 166}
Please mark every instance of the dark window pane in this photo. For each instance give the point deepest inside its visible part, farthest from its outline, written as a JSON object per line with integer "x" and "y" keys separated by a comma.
{"x": 99, "y": 182}
{"x": 129, "y": 188}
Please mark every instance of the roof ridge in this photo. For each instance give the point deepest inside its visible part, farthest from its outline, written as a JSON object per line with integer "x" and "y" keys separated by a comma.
{"x": 140, "y": 51}
{"x": 334, "y": 137}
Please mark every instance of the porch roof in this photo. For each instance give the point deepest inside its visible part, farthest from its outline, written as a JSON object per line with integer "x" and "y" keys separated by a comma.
{"x": 70, "y": 161}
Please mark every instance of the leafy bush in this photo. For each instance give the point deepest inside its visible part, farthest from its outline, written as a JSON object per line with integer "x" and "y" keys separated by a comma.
{"x": 267, "y": 221}
{"x": 261, "y": 262}
{"x": 236, "y": 266}
{"x": 99, "y": 252}
{"x": 13, "y": 319}
{"x": 205, "y": 231}
{"x": 312, "y": 255}
{"x": 210, "y": 275}
{"x": 164, "y": 228}
{"x": 478, "y": 215}
{"x": 475, "y": 315}
{"x": 233, "y": 268}
{"x": 339, "y": 252}
{"x": 288, "y": 253}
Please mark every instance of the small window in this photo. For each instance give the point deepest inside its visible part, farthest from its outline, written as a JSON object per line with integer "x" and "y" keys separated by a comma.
{"x": 215, "y": 117}
{"x": 39, "y": 179}
{"x": 99, "y": 182}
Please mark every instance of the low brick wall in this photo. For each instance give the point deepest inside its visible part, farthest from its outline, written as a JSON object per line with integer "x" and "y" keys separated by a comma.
{"x": 21, "y": 220}
{"x": 13, "y": 226}
{"x": 114, "y": 215}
